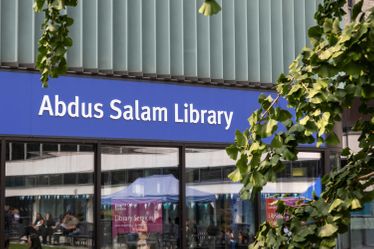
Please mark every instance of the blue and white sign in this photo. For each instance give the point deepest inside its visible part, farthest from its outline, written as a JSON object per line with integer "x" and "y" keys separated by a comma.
{"x": 85, "y": 107}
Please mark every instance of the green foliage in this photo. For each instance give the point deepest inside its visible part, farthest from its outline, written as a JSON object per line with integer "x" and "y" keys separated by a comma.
{"x": 55, "y": 40}
{"x": 209, "y": 8}
{"x": 322, "y": 82}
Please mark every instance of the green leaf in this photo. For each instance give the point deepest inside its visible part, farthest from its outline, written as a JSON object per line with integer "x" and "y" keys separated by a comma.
{"x": 319, "y": 142}
{"x": 209, "y": 8}
{"x": 304, "y": 120}
{"x": 38, "y": 5}
{"x": 255, "y": 147}
{"x": 327, "y": 230}
{"x": 353, "y": 69}
{"x": 294, "y": 89}
{"x": 258, "y": 179}
{"x": 270, "y": 127}
{"x": 289, "y": 155}
{"x": 71, "y": 2}
{"x": 296, "y": 128}
{"x": 357, "y": 9}
{"x": 240, "y": 139}
{"x": 356, "y": 204}
{"x": 332, "y": 139}
{"x": 337, "y": 203}
{"x": 232, "y": 151}
{"x": 336, "y": 26}
{"x": 346, "y": 151}
{"x": 242, "y": 164}
{"x": 327, "y": 25}
{"x": 290, "y": 137}
{"x": 275, "y": 160}
{"x": 315, "y": 32}
{"x": 235, "y": 176}
{"x": 69, "y": 22}
{"x": 287, "y": 123}
{"x": 60, "y": 4}
{"x": 277, "y": 142}
{"x": 283, "y": 115}
{"x": 253, "y": 119}
{"x": 323, "y": 122}
{"x": 51, "y": 27}
{"x": 261, "y": 98}
{"x": 328, "y": 243}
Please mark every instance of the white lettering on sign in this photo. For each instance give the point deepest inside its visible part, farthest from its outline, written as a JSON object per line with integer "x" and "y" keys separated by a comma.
{"x": 138, "y": 112}
{"x": 189, "y": 114}
{"x": 74, "y": 109}
{"x": 186, "y": 113}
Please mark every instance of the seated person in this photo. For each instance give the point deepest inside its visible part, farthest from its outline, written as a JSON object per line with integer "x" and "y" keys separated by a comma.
{"x": 32, "y": 237}
{"x": 69, "y": 224}
{"x": 50, "y": 226}
{"x": 39, "y": 226}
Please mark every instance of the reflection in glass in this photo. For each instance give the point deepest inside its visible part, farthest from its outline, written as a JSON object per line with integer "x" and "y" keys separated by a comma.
{"x": 217, "y": 217}
{"x": 360, "y": 234}
{"x": 140, "y": 197}
{"x": 362, "y": 227}
{"x": 301, "y": 179}
{"x": 43, "y": 207}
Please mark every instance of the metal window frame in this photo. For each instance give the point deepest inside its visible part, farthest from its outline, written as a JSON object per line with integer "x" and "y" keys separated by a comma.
{"x": 2, "y": 191}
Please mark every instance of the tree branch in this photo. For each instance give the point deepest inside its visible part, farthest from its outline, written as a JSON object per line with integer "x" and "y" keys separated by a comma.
{"x": 271, "y": 105}
{"x": 367, "y": 176}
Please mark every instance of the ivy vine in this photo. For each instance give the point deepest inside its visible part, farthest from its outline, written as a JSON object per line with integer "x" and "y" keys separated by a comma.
{"x": 54, "y": 41}
{"x": 322, "y": 82}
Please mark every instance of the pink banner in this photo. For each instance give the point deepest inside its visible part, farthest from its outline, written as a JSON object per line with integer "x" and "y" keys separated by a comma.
{"x": 136, "y": 217}
{"x": 271, "y": 209}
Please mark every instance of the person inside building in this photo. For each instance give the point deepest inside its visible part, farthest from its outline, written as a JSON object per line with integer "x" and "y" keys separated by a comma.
{"x": 8, "y": 222}
{"x": 32, "y": 237}
{"x": 69, "y": 224}
{"x": 243, "y": 239}
{"x": 50, "y": 225}
{"x": 39, "y": 226}
{"x": 230, "y": 240}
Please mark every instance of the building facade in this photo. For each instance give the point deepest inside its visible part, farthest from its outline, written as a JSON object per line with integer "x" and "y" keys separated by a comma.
{"x": 128, "y": 149}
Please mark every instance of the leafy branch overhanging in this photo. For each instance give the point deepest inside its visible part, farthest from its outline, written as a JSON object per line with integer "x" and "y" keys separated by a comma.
{"x": 323, "y": 81}
{"x": 55, "y": 41}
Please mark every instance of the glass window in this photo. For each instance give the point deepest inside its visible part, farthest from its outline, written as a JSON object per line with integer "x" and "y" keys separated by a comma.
{"x": 56, "y": 179}
{"x": 140, "y": 196}
{"x": 84, "y": 178}
{"x": 362, "y": 227}
{"x": 43, "y": 204}
{"x": 360, "y": 234}
{"x": 16, "y": 151}
{"x": 216, "y": 216}
{"x": 70, "y": 179}
{"x": 300, "y": 180}
{"x": 69, "y": 147}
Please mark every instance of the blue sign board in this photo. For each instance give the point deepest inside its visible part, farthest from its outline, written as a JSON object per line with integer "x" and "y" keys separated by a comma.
{"x": 84, "y": 107}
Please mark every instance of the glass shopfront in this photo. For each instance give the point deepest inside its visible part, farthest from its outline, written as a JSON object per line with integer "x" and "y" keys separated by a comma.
{"x": 104, "y": 163}
{"x": 300, "y": 180}
{"x": 140, "y": 197}
{"x": 49, "y": 194}
{"x": 216, "y": 216}
{"x": 360, "y": 234}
